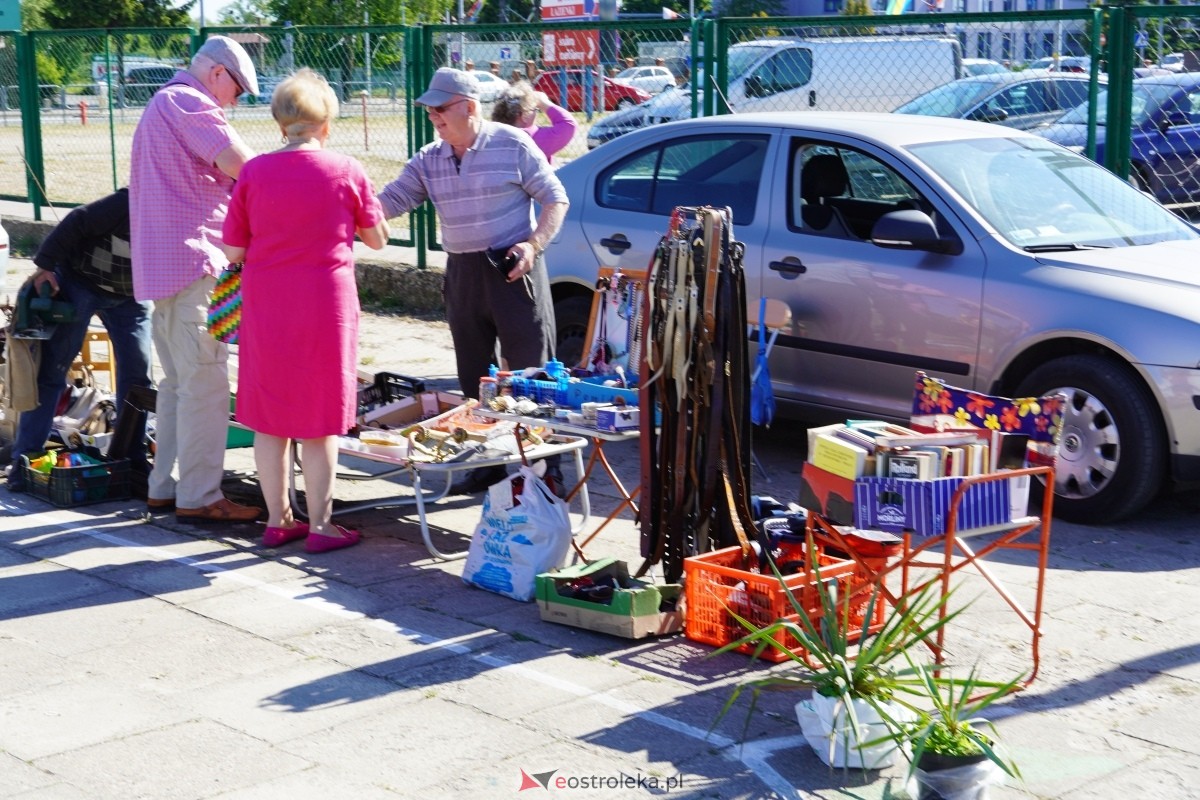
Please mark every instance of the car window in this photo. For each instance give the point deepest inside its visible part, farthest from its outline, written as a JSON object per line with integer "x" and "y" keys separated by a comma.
{"x": 1025, "y": 98}
{"x": 784, "y": 71}
{"x": 842, "y": 192}
{"x": 701, "y": 170}
{"x": 1071, "y": 93}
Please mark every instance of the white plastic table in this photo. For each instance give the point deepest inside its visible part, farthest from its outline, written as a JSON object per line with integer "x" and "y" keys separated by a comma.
{"x": 415, "y": 470}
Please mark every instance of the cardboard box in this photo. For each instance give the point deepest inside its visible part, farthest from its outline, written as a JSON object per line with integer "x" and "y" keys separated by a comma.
{"x": 440, "y": 413}
{"x": 617, "y": 418}
{"x": 923, "y": 507}
{"x": 829, "y": 495}
{"x": 634, "y": 612}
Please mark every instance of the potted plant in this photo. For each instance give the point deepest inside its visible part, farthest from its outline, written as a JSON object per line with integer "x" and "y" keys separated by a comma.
{"x": 853, "y": 668}
{"x": 953, "y": 752}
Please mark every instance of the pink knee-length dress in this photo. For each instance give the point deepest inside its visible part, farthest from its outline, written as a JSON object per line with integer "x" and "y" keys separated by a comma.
{"x": 296, "y": 213}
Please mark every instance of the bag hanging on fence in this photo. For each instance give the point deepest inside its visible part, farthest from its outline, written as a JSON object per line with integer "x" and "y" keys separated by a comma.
{"x": 225, "y": 305}
{"x": 522, "y": 533}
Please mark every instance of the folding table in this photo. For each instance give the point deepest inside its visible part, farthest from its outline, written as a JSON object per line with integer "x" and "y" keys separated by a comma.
{"x": 415, "y": 470}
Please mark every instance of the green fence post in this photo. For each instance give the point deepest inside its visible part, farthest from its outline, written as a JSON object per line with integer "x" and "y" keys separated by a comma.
{"x": 1120, "y": 90}
{"x": 1097, "y": 54}
{"x": 31, "y": 122}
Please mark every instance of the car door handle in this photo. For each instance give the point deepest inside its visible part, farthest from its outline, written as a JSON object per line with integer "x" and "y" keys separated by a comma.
{"x": 812, "y": 97}
{"x": 789, "y": 268}
{"x": 616, "y": 244}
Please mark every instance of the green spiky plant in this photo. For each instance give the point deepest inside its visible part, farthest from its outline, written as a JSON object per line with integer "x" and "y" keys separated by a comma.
{"x": 951, "y": 726}
{"x": 840, "y": 658}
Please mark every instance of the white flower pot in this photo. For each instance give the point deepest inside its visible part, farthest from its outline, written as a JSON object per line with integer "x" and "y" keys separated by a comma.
{"x": 829, "y": 731}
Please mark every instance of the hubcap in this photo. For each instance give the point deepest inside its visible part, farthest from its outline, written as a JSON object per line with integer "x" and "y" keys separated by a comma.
{"x": 1089, "y": 446}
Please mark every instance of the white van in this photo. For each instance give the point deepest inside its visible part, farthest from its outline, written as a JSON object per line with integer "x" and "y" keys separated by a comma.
{"x": 862, "y": 73}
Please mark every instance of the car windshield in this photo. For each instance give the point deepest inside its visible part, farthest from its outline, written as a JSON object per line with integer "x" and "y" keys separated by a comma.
{"x": 948, "y": 100}
{"x": 742, "y": 58}
{"x": 1077, "y": 203}
{"x": 1146, "y": 99}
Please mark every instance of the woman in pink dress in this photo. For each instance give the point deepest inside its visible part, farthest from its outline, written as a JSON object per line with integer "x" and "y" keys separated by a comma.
{"x": 292, "y": 220}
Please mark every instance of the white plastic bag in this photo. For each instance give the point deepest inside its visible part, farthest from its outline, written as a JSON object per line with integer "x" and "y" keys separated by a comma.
{"x": 514, "y": 541}
{"x": 829, "y": 731}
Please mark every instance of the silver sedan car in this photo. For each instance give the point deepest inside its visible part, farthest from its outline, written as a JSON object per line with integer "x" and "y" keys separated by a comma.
{"x": 985, "y": 256}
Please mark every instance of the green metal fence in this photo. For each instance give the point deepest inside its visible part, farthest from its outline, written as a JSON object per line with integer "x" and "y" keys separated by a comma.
{"x": 66, "y": 139}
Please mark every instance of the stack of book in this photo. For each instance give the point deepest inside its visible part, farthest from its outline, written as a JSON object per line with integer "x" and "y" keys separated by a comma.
{"x": 872, "y": 448}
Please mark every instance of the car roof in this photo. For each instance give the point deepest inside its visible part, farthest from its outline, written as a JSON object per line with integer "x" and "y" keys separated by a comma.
{"x": 890, "y": 129}
{"x": 1172, "y": 78}
{"x": 1023, "y": 75}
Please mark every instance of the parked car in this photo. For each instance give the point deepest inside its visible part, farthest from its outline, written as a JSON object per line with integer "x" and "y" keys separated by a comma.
{"x": 1173, "y": 62}
{"x": 1164, "y": 136}
{"x": 490, "y": 86}
{"x": 1021, "y": 100}
{"x": 987, "y": 256}
{"x": 142, "y": 82}
{"x": 1062, "y": 64}
{"x": 648, "y": 79}
{"x": 266, "y": 90}
{"x": 982, "y": 66}
{"x": 610, "y": 126}
{"x": 616, "y": 95}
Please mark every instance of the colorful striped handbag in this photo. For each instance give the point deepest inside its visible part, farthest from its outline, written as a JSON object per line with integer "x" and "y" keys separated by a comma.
{"x": 225, "y": 305}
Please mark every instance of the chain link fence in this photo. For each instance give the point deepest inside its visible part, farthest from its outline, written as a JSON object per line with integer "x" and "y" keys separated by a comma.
{"x": 68, "y": 140}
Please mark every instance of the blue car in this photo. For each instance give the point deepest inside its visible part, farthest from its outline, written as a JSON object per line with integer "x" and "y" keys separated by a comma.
{"x": 1164, "y": 139}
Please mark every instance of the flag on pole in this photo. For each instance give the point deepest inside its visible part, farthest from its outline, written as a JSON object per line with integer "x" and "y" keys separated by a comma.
{"x": 473, "y": 11}
{"x": 669, "y": 14}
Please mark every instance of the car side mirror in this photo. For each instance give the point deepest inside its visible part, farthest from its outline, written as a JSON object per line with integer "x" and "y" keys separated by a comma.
{"x": 1173, "y": 119}
{"x": 754, "y": 86}
{"x": 910, "y": 229}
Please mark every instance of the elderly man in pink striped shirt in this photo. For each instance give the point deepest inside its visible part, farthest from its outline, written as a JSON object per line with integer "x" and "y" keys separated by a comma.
{"x": 184, "y": 162}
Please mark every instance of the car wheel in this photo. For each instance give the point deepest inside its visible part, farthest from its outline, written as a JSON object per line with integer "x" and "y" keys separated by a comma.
{"x": 1112, "y": 448}
{"x": 571, "y": 317}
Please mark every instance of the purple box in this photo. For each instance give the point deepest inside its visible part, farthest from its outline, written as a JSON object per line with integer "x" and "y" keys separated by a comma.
{"x": 923, "y": 507}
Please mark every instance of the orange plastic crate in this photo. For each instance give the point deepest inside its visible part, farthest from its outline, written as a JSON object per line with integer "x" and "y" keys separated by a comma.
{"x": 715, "y": 584}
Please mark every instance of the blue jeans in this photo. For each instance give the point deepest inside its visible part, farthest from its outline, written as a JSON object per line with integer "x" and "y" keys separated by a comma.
{"x": 128, "y": 325}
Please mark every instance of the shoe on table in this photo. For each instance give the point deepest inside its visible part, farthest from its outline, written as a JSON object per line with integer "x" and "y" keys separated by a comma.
{"x": 224, "y": 510}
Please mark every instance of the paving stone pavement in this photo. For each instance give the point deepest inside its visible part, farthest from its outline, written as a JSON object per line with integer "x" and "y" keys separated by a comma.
{"x": 143, "y": 657}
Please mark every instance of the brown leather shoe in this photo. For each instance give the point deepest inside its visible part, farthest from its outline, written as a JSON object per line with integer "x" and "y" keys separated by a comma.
{"x": 224, "y": 510}
{"x": 154, "y": 504}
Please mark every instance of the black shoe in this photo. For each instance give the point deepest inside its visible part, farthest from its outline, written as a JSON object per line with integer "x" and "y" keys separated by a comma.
{"x": 478, "y": 480}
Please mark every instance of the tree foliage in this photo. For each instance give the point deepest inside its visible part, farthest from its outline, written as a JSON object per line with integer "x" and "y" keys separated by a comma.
{"x": 350, "y": 12}
{"x": 63, "y": 14}
{"x": 749, "y": 8}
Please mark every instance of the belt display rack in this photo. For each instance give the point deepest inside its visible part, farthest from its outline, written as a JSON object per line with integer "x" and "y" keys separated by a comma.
{"x": 695, "y": 371}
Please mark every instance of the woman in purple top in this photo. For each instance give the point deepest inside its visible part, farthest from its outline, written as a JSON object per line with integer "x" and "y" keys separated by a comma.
{"x": 292, "y": 221}
{"x": 519, "y": 105}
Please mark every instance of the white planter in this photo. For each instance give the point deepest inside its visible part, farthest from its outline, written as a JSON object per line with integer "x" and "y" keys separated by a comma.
{"x": 829, "y": 731}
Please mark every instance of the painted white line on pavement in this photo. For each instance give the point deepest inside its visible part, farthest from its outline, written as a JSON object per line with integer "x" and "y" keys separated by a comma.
{"x": 754, "y": 755}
